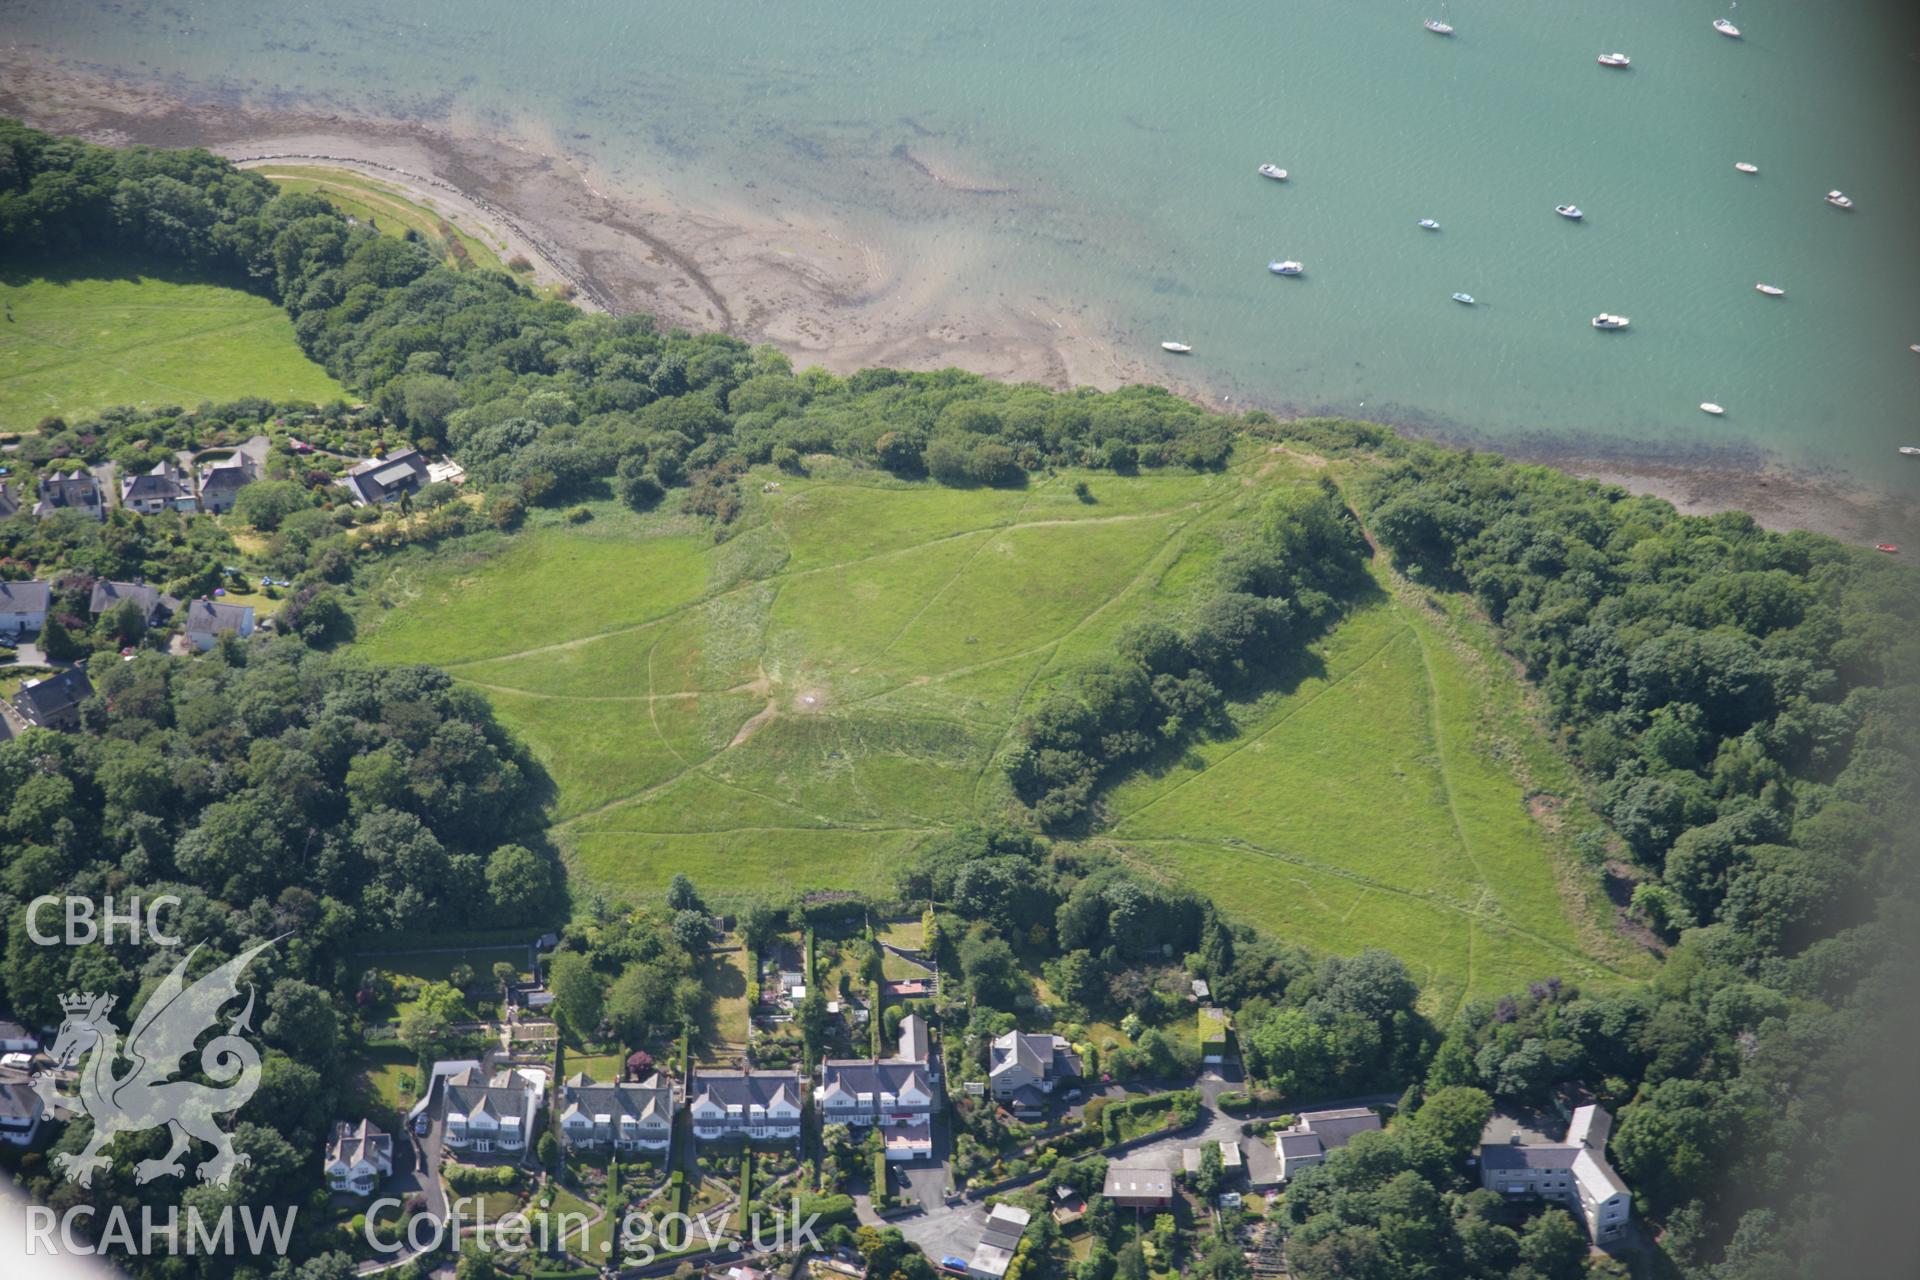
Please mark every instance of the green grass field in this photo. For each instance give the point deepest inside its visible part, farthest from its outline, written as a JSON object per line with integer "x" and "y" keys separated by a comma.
{"x": 803, "y": 704}
{"x": 385, "y": 207}
{"x": 103, "y": 332}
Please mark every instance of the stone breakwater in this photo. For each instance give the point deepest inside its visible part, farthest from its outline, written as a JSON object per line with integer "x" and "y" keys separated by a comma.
{"x": 588, "y": 293}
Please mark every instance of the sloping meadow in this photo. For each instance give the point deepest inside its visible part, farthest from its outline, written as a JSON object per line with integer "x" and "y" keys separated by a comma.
{"x": 845, "y": 675}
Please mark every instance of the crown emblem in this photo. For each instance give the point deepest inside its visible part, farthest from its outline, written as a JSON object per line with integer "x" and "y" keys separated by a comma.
{"x": 82, "y": 1001}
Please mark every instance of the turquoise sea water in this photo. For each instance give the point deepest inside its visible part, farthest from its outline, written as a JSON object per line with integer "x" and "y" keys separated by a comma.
{"x": 1120, "y": 138}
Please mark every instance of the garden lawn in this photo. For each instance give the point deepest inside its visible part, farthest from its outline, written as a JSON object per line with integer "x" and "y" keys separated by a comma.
{"x": 111, "y": 331}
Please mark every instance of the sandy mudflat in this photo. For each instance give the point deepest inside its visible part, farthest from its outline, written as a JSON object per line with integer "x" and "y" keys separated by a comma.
{"x": 819, "y": 293}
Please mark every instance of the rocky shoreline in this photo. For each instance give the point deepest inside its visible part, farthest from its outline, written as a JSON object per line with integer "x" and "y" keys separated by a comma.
{"x": 816, "y": 291}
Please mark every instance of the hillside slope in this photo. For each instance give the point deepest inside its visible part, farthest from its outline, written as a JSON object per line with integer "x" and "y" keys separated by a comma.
{"x": 801, "y": 704}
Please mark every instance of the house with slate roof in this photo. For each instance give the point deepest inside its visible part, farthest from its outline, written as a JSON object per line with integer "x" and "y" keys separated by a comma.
{"x": 207, "y": 619}
{"x": 485, "y": 1115}
{"x": 895, "y": 1093}
{"x": 76, "y": 492}
{"x": 19, "y": 1112}
{"x": 1024, "y": 1069}
{"x": 385, "y": 479}
{"x": 1315, "y": 1133}
{"x": 154, "y": 606}
{"x": 1574, "y": 1172}
{"x": 54, "y": 703}
{"x": 761, "y": 1105}
{"x": 167, "y": 487}
{"x": 358, "y": 1156}
{"x": 222, "y": 480}
{"x": 23, "y": 606}
{"x": 627, "y": 1116}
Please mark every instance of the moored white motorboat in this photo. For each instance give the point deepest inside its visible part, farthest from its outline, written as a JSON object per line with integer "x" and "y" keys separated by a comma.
{"x": 1571, "y": 212}
{"x": 1463, "y": 297}
{"x": 1287, "y": 268}
{"x": 1914, "y": 347}
{"x": 1178, "y": 348}
{"x": 1273, "y": 171}
{"x": 1429, "y": 224}
{"x": 1726, "y": 28}
{"x": 1708, "y": 406}
{"x": 1771, "y": 290}
{"x": 1606, "y": 320}
{"x": 1744, "y": 167}
{"x": 1438, "y": 27}
{"x": 1839, "y": 201}
{"x": 1910, "y": 450}
{"x": 1615, "y": 60}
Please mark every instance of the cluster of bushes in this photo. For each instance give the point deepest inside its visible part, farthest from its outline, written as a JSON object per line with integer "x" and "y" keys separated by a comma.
{"x": 1133, "y": 1117}
{"x": 1280, "y": 579}
{"x": 468, "y": 1179}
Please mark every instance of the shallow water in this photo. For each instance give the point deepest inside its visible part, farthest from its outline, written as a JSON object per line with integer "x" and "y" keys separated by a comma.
{"x": 1103, "y": 154}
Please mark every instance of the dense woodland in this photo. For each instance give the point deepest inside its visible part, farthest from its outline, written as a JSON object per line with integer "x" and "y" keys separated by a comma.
{"x": 1742, "y": 705}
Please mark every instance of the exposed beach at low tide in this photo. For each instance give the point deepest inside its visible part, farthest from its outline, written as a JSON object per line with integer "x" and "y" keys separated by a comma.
{"x": 759, "y": 268}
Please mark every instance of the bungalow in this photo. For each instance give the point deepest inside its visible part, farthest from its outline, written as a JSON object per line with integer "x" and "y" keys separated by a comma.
{"x": 998, "y": 1241}
{"x": 625, "y": 1116}
{"x": 15, "y": 1038}
{"x": 76, "y": 492}
{"x": 19, "y": 1113}
{"x": 1573, "y": 1171}
{"x": 1140, "y": 1185}
{"x": 153, "y": 606}
{"x": 222, "y": 480}
{"x": 1317, "y": 1132}
{"x": 165, "y": 487}
{"x": 1025, "y": 1068}
{"x": 358, "y": 1156}
{"x": 54, "y": 703}
{"x": 491, "y": 1115}
{"x": 385, "y": 479}
{"x": 750, "y": 1104}
{"x": 895, "y": 1093}
{"x": 208, "y": 620}
{"x": 23, "y": 606}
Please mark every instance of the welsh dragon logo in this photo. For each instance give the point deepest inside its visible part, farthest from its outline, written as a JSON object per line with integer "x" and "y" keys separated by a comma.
{"x": 146, "y": 1097}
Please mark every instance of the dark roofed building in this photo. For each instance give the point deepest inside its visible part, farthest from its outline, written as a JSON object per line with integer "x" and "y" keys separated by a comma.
{"x": 1025, "y": 1068}
{"x": 385, "y": 479}
{"x": 1574, "y": 1171}
{"x": 54, "y": 703}
{"x": 76, "y": 492}
{"x": 1317, "y": 1132}
{"x": 163, "y": 488}
{"x": 627, "y": 1116}
{"x": 9, "y": 504}
{"x": 895, "y": 1093}
{"x": 222, "y": 481}
{"x": 153, "y": 605}
{"x": 19, "y": 1112}
{"x": 23, "y": 606}
{"x": 745, "y": 1104}
{"x": 207, "y": 620}
{"x": 1141, "y": 1184}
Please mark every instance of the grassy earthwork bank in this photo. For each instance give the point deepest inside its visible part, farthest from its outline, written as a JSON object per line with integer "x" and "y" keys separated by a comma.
{"x": 84, "y": 334}
{"x": 801, "y": 704}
